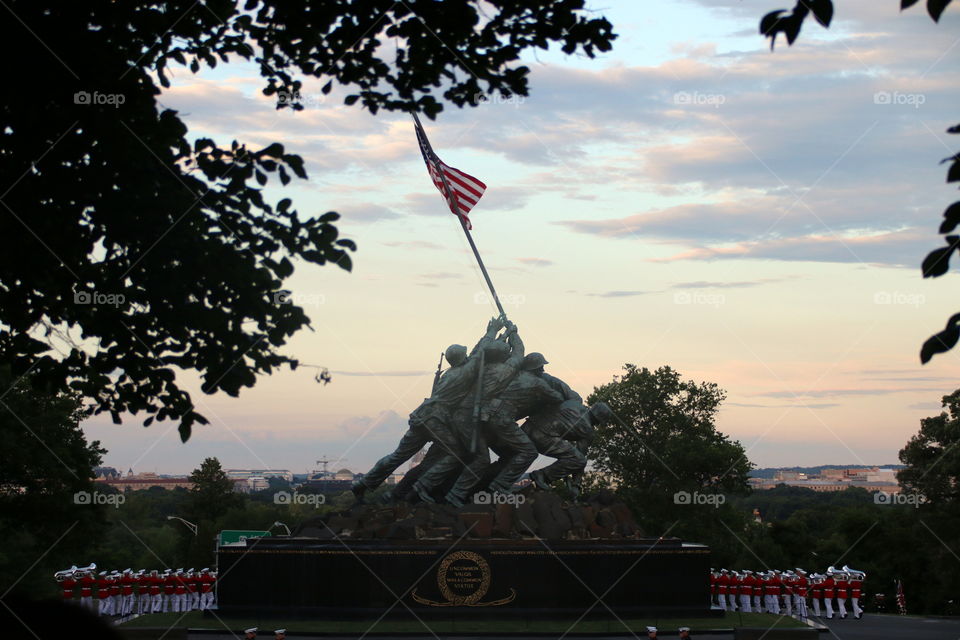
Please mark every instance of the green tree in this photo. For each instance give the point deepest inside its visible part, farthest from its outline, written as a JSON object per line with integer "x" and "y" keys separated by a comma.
{"x": 47, "y": 494}
{"x": 137, "y": 252}
{"x": 212, "y": 494}
{"x": 663, "y": 452}
{"x": 933, "y": 457}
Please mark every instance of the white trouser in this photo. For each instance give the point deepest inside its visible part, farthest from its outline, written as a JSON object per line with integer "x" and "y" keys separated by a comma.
{"x": 756, "y": 604}
{"x": 731, "y": 602}
{"x": 842, "y": 606}
{"x": 167, "y": 597}
{"x": 195, "y": 600}
{"x": 816, "y": 607}
{"x": 770, "y": 603}
{"x": 722, "y": 600}
{"x": 745, "y": 603}
{"x": 855, "y": 603}
{"x": 156, "y": 603}
{"x": 102, "y": 606}
{"x": 828, "y": 602}
{"x": 800, "y": 604}
{"x": 128, "y": 601}
{"x": 146, "y": 601}
{"x": 788, "y": 603}
{"x": 206, "y": 599}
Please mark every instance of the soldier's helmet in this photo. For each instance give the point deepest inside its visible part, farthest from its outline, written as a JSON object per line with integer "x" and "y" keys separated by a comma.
{"x": 497, "y": 351}
{"x": 601, "y": 412}
{"x": 533, "y": 361}
{"x": 455, "y": 354}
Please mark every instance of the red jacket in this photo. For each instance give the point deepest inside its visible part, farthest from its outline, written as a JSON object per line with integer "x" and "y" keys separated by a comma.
{"x": 67, "y": 587}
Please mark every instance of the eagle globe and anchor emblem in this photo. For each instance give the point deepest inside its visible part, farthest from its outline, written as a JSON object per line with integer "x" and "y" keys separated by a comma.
{"x": 463, "y": 578}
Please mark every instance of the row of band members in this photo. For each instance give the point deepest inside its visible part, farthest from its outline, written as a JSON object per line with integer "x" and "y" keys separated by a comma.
{"x": 776, "y": 591}
{"x": 123, "y": 593}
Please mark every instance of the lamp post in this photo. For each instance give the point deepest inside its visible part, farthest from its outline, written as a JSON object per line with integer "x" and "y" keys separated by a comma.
{"x": 190, "y": 525}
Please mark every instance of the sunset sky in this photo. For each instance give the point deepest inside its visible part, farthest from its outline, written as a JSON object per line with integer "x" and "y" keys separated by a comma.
{"x": 751, "y": 218}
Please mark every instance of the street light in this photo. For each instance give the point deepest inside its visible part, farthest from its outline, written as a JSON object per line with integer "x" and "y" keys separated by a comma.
{"x": 280, "y": 524}
{"x": 190, "y": 525}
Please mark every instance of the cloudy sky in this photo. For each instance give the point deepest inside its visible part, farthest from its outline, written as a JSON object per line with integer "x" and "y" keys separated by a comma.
{"x": 751, "y": 218}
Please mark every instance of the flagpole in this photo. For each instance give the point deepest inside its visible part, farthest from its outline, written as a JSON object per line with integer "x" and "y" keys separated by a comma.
{"x": 466, "y": 231}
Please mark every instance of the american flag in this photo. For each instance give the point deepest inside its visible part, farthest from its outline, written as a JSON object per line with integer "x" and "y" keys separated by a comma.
{"x": 464, "y": 190}
{"x": 901, "y": 599}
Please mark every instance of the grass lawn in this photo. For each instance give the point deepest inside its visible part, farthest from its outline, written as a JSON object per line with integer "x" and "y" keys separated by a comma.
{"x": 195, "y": 620}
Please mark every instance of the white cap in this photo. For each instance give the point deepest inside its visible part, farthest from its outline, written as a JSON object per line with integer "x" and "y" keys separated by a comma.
{"x": 651, "y": 629}
{"x": 683, "y": 629}
{"x": 250, "y": 630}
{"x": 279, "y": 631}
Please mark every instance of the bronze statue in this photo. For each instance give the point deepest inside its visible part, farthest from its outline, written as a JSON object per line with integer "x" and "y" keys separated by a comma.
{"x": 431, "y": 420}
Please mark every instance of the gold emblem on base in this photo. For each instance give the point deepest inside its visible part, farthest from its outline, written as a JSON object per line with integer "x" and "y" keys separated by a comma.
{"x": 463, "y": 578}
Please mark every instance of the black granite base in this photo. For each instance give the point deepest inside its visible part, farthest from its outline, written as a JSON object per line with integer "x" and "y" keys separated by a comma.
{"x": 470, "y": 578}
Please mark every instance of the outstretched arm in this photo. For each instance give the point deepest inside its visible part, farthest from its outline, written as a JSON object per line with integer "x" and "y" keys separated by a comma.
{"x": 516, "y": 346}
{"x": 493, "y": 327}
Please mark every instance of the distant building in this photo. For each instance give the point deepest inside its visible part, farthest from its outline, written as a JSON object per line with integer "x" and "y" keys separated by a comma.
{"x": 243, "y": 474}
{"x": 870, "y": 479}
{"x": 140, "y": 481}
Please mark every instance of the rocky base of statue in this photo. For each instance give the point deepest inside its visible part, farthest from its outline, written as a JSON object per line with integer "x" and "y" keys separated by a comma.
{"x": 529, "y": 514}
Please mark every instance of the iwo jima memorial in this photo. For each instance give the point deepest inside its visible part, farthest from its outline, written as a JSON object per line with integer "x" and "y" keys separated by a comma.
{"x": 457, "y": 537}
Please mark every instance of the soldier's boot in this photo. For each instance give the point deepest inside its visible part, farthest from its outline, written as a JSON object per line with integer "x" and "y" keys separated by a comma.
{"x": 540, "y": 480}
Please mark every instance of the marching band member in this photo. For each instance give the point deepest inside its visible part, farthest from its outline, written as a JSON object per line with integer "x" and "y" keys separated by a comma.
{"x": 829, "y": 590}
{"x": 126, "y": 592}
{"x": 816, "y": 592}
{"x": 156, "y": 597}
{"x": 86, "y": 588}
{"x": 746, "y": 590}
{"x": 169, "y": 582}
{"x": 841, "y": 587}
{"x": 856, "y": 586}
{"x": 732, "y": 589}
{"x": 757, "y": 593}
{"x": 800, "y": 593}
{"x": 67, "y": 582}
{"x": 103, "y": 594}
{"x": 193, "y": 587}
{"x": 144, "y": 599}
{"x": 206, "y": 589}
{"x": 771, "y": 593}
{"x": 787, "y": 581}
{"x": 713, "y": 588}
{"x": 721, "y": 582}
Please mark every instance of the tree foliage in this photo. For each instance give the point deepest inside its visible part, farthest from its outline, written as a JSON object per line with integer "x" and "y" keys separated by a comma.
{"x": 663, "y": 441}
{"x": 46, "y": 483}
{"x": 933, "y": 457}
{"x": 937, "y": 261}
{"x": 135, "y": 253}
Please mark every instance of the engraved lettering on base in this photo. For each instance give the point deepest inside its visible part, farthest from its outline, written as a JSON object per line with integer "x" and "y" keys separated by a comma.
{"x": 464, "y": 579}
